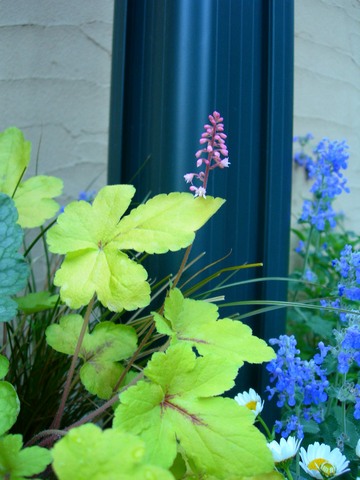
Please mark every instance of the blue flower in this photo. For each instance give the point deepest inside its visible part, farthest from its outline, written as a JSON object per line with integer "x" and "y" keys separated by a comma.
{"x": 348, "y": 265}
{"x": 328, "y": 182}
{"x": 298, "y": 382}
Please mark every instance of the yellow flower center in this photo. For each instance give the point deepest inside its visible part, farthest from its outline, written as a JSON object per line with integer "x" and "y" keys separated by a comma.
{"x": 251, "y": 405}
{"x": 326, "y": 469}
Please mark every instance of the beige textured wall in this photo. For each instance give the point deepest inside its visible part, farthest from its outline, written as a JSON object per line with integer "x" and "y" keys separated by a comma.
{"x": 327, "y": 87}
{"x": 55, "y": 84}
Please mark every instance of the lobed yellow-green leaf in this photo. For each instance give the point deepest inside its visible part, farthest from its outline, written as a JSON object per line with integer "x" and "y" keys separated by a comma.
{"x": 87, "y": 453}
{"x": 197, "y": 323}
{"x": 165, "y": 222}
{"x": 34, "y": 200}
{"x": 101, "y": 350}
{"x": 14, "y": 159}
{"x": 92, "y": 237}
{"x": 17, "y": 463}
{"x": 175, "y": 409}
{"x": 9, "y": 401}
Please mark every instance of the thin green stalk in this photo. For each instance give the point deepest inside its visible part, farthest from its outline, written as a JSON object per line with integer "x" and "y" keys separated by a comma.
{"x": 57, "y": 420}
{"x": 269, "y": 435}
{"x": 288, "y": 473}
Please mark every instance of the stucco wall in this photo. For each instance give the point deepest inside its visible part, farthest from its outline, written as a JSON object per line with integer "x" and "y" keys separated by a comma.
{"x": 55, "y": 84}
{"x": 327, "y": 87}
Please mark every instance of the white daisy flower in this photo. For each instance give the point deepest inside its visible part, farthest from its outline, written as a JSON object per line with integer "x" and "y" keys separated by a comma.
{"x": 357, "y": 449}
{"x": 285, "y": 450}
{"x": 251, "y": 400}
{"x": 319, "y": 461}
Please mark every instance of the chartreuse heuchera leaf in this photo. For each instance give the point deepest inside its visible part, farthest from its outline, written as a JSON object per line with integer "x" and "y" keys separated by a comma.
{"x": 92, "y": 237}
{"x": 34, "y": 197}
{"x": 34, "y": 200}
{"x": 177, "y": 407}
{"x": 14, "y": 159}
{"x": 101, "y": 350}
{"x": 9, "y": 401}
{"x": 13, "y": 268}
{"x": 196, "y": 323}
{"x": 87, "y": 453}
{"x": 17, "y": 463}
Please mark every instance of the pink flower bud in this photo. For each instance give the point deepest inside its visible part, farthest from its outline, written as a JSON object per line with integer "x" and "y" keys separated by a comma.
{"x": 199, "y": 162}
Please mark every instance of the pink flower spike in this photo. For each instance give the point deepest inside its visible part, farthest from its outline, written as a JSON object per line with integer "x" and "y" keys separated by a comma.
{"x": 189, "y": 177}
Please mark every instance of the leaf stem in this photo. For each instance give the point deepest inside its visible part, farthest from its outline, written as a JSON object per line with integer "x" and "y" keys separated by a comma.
{"x": 57, "y": 420}
{"x": 182, "y": 266}
{"x": 46, "y": 433}
{"x": 152, "y": 326}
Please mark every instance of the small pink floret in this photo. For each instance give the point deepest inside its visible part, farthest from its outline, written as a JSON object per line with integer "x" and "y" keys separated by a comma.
{"x": 189, "y": 177}
{"x": 200, "y": 192}
{"x": 225, "y": 162}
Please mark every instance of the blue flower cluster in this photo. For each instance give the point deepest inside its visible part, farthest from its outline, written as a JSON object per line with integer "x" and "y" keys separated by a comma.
{"x": 326, "y": 172}
{"x": 298, "y": 383}
{"x": 302, "y": 158}
{"x": 349, "y": 268}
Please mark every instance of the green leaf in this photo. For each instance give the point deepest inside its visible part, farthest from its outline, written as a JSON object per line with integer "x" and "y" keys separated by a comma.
{"x": 91, "y": 236}
{"x": 4, "y": 366}
{"x": 37, "y": 302}
{"x": 101, "y": 350}
{"x": 9, "y": 406}
{"x": 196, "y": 323}
{"x": 87, "y": 453}
{"x": 34, "y": 200}
{"x": 13, "y": 268}
{"x": 165, "y": 222}
{"x": 175, "y": 407}
{"x": 14, "y": 159}
{"x": 9, "y": 401}
{"x": 18, "y": 464}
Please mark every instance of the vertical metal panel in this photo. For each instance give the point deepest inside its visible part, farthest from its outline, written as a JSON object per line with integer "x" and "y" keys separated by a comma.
{"x": 184, "y": 59}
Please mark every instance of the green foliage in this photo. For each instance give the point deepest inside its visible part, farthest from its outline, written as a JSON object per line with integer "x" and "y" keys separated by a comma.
{"x": 13, "y": 268}
{"x": 153, "y": 381}
{"x": 17, "y": 463}
{"x": 87, "y": 452}
{"x": 9, "y": 402}
{"x": 37, "y": 302}
{"x": 177, "y": 406}
{"x": 33, "y": 198}
{"x": 101, "y": 350}
{"x": 92, "y": 238}
{"x": 196, "y": 323}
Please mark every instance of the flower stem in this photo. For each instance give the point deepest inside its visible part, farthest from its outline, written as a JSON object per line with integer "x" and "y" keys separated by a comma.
{"x": 57, "y": 420}
{"x": 266, "y": 428}
{"x": 288, "y": 474}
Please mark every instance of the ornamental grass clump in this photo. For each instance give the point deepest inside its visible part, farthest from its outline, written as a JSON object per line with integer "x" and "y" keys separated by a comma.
{"x": 106, "y": 373}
